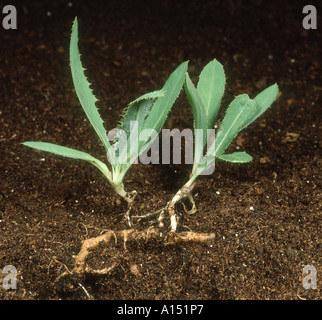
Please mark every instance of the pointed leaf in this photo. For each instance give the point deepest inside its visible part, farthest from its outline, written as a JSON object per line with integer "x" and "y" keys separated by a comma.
{"x": 199, "y": 119}
{"x": 138, "y": 110}
{"x": 236, "y": 157}
{"x": 155, "y": 118}
{"x": 236, "y": 115}
{"x": 263, "y": 102}
{"x": 162, "y": 105}
{"x": 69, "y": 153}
{"x": 150, "y": 95}
{"x": 82, "y": 87}
{"x": 211, "y": 87}
{"x": 198, "y": 108}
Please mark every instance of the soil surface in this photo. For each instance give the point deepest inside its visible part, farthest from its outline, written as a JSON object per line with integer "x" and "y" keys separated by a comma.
{"x": 266, "y": 215}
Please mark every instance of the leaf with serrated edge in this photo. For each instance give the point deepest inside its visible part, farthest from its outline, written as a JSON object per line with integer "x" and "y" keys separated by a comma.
{"x": 82, "y": 87}
{"x": 162, "y": 105}
{"x": 157, "y": 115}
{"x": 211, "y": 87}
{"x": 263, "y": 101}
{"x": 236, "y": 115}
{"x": 150, "y": 95}
{"x": 138, "y": 110}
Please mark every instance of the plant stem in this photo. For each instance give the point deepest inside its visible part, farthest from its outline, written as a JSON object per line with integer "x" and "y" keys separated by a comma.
{"x": 128, "y": 197}
{"x": 184, "y": 192}
{"x": 116, "y": 181}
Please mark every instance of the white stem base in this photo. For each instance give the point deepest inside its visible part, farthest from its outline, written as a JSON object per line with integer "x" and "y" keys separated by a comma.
{"x": 173, "y": 223}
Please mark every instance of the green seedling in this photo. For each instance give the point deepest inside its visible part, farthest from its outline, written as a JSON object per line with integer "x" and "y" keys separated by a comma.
{"x": 148, "y": 112}
{"x": 205, "y": 101}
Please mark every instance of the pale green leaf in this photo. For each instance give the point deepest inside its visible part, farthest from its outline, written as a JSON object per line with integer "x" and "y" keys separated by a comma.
{"x": 160, "y": 109}
{"x": 131, "y": 125}
{"x": 236, "y": 157}
{"x": 198, "y": 109}
{"x": 211, "y": 87}
{"x": 149, "y": 95}
{"x": 155, "y": 119}
{"x": 83, "y": 90}
{"x": 236, "y": 115}
{"x": 138, "y": 110}
{"x": 69, "y": 153}
{"x": 199, "y": 118}
{"x": 263, "y": 102}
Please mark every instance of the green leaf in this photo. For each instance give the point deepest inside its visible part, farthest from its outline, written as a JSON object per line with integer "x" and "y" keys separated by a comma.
{"x": 163, "y": 104}
{"x": 199, "y": 118}
{"x": 211, "y": 87}
{"x": 198, "y": 109}
{"x": 69, "y": 153}
{"x": 236, "y": 115}
{"x": 155, "y": 119}
{"x": 138, "y": 110}
{"x": 150, "y": 95}
{"x": 263, "y": 102}
{"x": 82, "y": 87}
{"x": 236, "y": 157}
{"x": 209, "y": 160}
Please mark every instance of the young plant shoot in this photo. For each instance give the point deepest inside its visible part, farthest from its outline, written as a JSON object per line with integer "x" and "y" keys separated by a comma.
{"x": 148, "y": 114}
{"x": 205, "y": 101}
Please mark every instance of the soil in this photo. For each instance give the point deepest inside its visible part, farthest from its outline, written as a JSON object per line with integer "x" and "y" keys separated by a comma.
{"x": 266, "y": 215}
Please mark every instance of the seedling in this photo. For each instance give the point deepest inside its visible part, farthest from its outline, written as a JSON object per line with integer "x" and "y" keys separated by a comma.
{"x": 205, "y": 101}
{"x": 147, "y": 113}
{"x": 141, "y": 122}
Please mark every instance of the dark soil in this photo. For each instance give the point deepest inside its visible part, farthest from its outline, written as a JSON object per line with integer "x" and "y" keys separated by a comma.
{"x": 266, "y": 215}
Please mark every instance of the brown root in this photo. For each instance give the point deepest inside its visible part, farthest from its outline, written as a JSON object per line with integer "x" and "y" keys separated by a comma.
{"x": 195, "y": 237}
{"x": 132, "y": 235}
